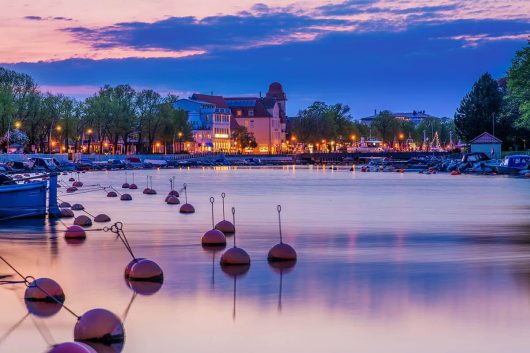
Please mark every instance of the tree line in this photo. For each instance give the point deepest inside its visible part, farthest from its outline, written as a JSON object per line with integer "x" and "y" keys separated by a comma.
{"x": 117, "y": 114}
{"x": 321, "y": 122}
{"x": 500, "y": 107}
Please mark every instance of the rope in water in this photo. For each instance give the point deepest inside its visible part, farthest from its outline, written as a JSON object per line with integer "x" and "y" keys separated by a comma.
{"x": 32, "y": 283}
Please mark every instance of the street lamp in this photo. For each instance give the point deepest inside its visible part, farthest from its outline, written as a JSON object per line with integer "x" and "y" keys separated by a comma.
{"x": 89, "y": 132}
{"x": 18, "y": 124}
{"x": 180, "y": 140}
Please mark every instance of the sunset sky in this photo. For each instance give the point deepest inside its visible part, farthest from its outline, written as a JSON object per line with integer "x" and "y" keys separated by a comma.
{"x": 370, "y": 54}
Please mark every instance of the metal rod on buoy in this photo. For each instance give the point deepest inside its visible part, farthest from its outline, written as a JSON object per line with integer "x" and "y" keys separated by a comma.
{"x": 234, "y": 222}
{"x": 223, "y": 195}
{"x": 279, "y": 208}
{"x": 212, "y": 200}
{"x": 185, "y": 193}
{"x": 117, "y": 228}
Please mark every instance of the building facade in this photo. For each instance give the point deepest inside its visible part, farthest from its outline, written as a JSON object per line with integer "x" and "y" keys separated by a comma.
{"x": 213, "y": 119}
{"x": 210, "y": 118}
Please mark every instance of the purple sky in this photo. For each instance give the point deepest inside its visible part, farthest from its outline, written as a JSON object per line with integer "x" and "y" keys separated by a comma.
{"x": 370, "y": 54}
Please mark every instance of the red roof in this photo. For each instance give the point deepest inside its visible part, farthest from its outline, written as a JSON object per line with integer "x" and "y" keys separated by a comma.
{"x": 485, "y": 138}
{"x": 216, "y": 100}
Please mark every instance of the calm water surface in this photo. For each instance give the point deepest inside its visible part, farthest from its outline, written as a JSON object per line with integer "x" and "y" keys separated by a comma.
{"x": 387, "y": 262}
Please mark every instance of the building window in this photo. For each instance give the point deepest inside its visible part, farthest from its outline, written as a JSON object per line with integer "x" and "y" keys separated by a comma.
{"x": 246, "y": 123}
{"x": 239, "y": 112}
{"x": 250, "y": 112}
{"x": 251, "y": 124}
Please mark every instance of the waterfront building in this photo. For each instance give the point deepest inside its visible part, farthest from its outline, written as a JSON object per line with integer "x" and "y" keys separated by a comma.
{"x": 210, "y": 118}
{"x": 264, "y": 117}
{"x": 415, "y": 117}
{"x": 488, "y": 144}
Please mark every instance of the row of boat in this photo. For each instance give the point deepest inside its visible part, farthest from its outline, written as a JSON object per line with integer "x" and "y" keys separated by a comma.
{"x": 469, "y": 163}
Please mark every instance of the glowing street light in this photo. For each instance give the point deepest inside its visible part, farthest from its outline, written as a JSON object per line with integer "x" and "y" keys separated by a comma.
{"x": 59, "y": 128}
{"x": 89, "y": 131}
{"x": 18, "y": 124}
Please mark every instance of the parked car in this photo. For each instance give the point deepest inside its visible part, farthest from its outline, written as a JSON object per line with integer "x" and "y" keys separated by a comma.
{"x": 134, "y": 162}
{"x": 18, "y": 166}
{"x": 85, "y": 164}
{"x": 64, "y": 165}
{"x": 43, "y": 164}
{"x": 116, "y": 164}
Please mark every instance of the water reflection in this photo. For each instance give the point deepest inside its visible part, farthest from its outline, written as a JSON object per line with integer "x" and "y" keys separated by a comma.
{"x": 405, "y": 257}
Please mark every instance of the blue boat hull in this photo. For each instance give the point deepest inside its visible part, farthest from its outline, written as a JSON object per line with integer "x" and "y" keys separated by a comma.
{"x": 23, "y": 200}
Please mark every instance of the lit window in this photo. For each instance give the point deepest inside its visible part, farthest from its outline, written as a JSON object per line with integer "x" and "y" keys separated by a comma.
{"x": 251, "y": 112}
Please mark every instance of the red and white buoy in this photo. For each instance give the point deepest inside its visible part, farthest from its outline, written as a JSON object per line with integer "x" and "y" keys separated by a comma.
{"x": 213, "y": 237}
{"x": 186, "y": 207}
{"x": 235, "y": 256}
{"x": 281, "y": 251}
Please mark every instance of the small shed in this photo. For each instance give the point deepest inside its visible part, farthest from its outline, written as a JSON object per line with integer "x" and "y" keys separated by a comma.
{"x": 488, "y": 144}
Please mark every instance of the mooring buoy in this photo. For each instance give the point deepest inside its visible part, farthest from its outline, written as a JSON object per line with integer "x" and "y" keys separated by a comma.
{"x": 101, "y": 218}
{"x": 112, "y": 194}
{"x": 172, "y": 200}
{"x": 213, "y": 236}
{"x": 66, "y": 213}
{"x": 44, "y": 290}
{"x": 145, "y": 270}
{"x": 71, "y": 347}
{"x": 186, "y": 207}
{"x": 75, "y": 232}
{"x": 78, "y": 207}
{"x": 99, "y": 325}
{"x": 225, "y": 226}
{"x": 126, "y": 197}
{"x": 83, "y": 221}
{"x": 235, "y": 256}
{"x": 281, "y": 251}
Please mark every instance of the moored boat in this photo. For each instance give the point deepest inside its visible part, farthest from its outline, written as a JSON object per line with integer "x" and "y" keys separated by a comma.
{"x": 514, "y": 164}
{"x": 28, "y": 199}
